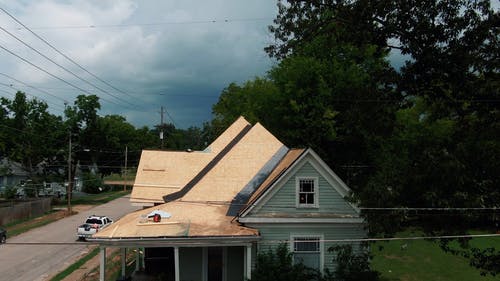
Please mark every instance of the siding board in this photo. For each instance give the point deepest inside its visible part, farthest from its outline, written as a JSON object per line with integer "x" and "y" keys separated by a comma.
{"x": 284, "y": 201}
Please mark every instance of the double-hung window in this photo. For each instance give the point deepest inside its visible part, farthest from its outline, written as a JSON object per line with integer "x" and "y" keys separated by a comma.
{"x": 307, "y": 192}
{"x": 307, "y": 250}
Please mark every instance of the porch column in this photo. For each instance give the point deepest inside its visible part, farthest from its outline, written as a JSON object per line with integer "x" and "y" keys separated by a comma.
{"x": 248, "y": 262}
{"x": 138, "y": 259}
{"x": 102, "y": 266}
{"x": 143, "y": 263}
{"x": 123, "y": 260}
{"x": 176, "y": 263}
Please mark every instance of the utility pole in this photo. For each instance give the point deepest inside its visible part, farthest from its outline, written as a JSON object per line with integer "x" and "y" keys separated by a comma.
{"x": 161, "y": 127}
{"x": 125, "y": 172}
{"x": 68, "y": 190}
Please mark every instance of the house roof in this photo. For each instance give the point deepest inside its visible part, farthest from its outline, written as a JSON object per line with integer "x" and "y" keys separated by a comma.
{"x": 187, "y": 219}
{"x": 164, "y": 172}
{"x": 283, "y": 165}
{"x": 13, "y": 168}
{"x": 199, "y": 186}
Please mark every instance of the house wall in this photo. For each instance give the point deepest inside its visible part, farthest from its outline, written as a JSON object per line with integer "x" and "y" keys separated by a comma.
{"x": 12, "y": 180}
{"x": 284, "y": 200}
{"x": 275, "y": 234}
{"x": 280, "y": 203}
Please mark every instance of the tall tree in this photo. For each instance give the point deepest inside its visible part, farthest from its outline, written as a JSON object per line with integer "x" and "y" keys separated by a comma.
{"x": 444, "y": 148}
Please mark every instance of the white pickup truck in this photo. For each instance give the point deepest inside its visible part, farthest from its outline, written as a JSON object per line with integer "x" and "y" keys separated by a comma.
{"x": 92, "y": 225}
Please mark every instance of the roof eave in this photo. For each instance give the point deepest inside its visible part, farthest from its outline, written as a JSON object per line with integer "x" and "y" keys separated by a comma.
{"x": 168, "y": 241}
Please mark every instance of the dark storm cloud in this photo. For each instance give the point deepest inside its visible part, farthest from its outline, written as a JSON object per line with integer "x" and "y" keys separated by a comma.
{"x": 176, "y": 54}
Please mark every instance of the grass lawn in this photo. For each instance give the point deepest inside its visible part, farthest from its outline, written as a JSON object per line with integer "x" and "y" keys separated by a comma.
{"x": 422, "y": 260}
{"x": 95, "y": 199}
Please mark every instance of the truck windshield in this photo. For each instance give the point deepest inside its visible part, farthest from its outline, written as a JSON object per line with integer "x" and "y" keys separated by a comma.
{"x": 93, "y": 221}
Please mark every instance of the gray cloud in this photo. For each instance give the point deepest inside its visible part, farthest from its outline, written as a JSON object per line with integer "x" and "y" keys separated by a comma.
{"x": 163, "y": 53}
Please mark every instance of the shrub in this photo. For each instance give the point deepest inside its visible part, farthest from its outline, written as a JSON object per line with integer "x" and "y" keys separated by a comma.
{"x": 278, "y": 266}
{"x": 351, "y": 266}
{"x": 91, "y": 183}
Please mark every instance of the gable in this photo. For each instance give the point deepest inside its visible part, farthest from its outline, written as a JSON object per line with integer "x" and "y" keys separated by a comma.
{"x": 280, "y": 200}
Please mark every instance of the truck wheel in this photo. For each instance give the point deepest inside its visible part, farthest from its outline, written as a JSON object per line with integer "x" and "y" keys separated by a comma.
{"x": 3, "y": 239}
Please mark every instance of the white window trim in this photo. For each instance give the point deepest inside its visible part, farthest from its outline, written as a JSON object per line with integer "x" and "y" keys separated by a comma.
{"x": 316, "y": 192}
{"x": 321, "y": 246}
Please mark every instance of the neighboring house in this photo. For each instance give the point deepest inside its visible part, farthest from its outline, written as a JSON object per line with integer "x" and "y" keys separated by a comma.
{"x": 215, "y": 209}
{"x": 12, "y": 173}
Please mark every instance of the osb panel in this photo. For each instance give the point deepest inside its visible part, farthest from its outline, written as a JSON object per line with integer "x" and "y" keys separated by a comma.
{"x": 150, "y": 194}
{"x": 228, "y": 135}
{"x": 187, "y": 219}
{"x": 237, "y": 168}
{"x": 160, "y": 172}
{"x": 163, "y": 172}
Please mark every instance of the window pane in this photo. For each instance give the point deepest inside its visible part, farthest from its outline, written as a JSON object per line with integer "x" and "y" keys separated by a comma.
{"x": 307, "y": 251}
{"x": 306, "y": 244}
{"x": 306, "y": 186}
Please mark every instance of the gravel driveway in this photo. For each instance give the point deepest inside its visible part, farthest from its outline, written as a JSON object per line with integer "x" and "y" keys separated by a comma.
{"x": 38, "y": 261}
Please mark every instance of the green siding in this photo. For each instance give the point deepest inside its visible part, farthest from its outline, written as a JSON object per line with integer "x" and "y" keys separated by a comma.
{"x": 273, "y": 235}
{"x": 284, "y": 201}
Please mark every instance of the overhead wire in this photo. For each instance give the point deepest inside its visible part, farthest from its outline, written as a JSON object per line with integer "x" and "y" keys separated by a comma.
{"x": 339, "y": 240}
{"x": 61, "y": 53}
{"x": 50, "y": 74}
{"x": 95, "y": 26}
{"x": 33, "y": 87}
{"x": 62, "y": 67}
{"x": 46, "y": 101}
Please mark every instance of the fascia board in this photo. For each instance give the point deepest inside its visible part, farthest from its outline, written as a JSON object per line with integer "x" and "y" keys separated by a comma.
{"x": 302, "y": 220}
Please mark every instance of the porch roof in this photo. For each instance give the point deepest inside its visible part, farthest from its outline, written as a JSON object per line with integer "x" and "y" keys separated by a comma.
{"x": 188, "y": 220}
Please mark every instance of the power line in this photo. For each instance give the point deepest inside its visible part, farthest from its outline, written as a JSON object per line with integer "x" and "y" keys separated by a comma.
{"x": 437, "y": 237}
{"x": 427, "y": 208}
{"x": 96, "y": 26}
{"x": 340, "y": 240}
{"x": 52, "y": 75}
{"x": 62, "y": 67}
{"x": 287, "y": 206}
{"x": 9, "y": 86}
{"x": 62, "y": 54}
{"x": 33, "y": 87}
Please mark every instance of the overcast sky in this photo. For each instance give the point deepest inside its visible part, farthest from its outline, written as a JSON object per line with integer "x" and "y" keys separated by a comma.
{"x": 175, "y": 54}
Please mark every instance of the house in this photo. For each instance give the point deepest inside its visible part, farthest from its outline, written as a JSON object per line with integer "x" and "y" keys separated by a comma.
{"x": 206, "y": 214}
{"x": 12, "y": 174}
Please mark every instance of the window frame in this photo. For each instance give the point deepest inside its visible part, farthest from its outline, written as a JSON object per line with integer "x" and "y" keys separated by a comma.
{"x": 320, "y": 237}
{"x": 315, "y": 181}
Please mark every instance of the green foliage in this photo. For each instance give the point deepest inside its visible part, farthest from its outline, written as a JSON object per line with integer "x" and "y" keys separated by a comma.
{"x": 277, "y": 265}
{"x": 91, "y": 183}
{"x": 9, "y": 192}
{"x": 352, "y": 266}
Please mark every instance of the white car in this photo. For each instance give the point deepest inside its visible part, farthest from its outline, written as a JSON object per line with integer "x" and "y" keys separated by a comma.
{"x": 92, "y": 225}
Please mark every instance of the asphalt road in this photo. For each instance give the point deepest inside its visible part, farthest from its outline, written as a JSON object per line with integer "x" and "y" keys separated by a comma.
{"x": 38, "y": 261}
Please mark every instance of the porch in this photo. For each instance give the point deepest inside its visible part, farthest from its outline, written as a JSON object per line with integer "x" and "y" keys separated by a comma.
{"x": 208, "y": 262}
